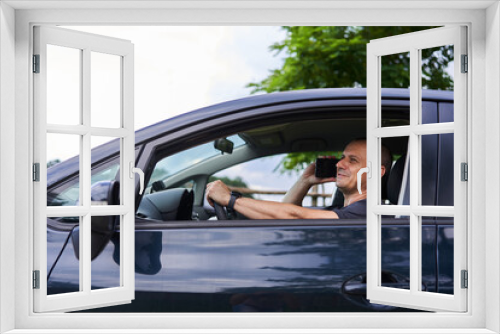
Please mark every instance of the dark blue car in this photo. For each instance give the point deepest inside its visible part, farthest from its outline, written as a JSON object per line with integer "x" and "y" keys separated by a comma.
{"x": 186, "y": 260}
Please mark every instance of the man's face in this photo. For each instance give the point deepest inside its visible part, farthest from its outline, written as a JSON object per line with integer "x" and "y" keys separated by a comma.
{"x": 353, "y": 159}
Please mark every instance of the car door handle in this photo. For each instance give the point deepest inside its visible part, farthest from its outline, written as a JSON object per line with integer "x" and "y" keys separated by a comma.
{"x": 354, "y": 289}
{"x": 134, "y": 170}
{"x": 356, "y": 285}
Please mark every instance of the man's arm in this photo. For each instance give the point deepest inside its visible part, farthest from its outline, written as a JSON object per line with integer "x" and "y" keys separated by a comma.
{"x": 295, "y": 195}
{"x": 255, "y": 209}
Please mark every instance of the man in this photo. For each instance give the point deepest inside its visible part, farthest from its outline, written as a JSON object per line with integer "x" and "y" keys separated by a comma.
{"x": 352, "y": 160}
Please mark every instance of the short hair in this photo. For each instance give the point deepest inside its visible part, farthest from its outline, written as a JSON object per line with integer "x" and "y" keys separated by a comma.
{"x": 386, "y": 154}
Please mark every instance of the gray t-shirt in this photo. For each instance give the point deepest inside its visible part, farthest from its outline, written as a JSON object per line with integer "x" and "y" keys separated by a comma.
{"x": 356, "y": 210}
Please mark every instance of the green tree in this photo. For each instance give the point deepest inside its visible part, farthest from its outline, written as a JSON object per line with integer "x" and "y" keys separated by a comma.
{"x": 297, "y": 161}
{"x": 335, "y": 57}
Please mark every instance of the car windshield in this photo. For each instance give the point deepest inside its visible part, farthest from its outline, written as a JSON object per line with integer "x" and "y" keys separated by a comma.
{"x": 182, "y": 160}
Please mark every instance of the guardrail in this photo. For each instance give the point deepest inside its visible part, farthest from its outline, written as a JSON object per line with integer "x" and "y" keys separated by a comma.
{"x": 314, "y": 194}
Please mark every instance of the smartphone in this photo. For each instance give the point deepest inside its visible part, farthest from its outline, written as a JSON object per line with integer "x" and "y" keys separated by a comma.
{"x": 326, "y": 167}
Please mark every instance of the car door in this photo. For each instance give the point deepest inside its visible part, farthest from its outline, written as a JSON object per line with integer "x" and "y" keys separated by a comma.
{"x": 244, "y": 265}
{"x": 191, "y": 265}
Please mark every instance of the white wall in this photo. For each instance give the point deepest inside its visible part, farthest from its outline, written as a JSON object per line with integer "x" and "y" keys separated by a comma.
{"x": 7, "y": 159}
{"x": 492, "y": 153}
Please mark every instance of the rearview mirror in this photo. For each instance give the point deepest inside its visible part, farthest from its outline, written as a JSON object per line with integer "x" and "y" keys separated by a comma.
{"x": 224, "y": 145}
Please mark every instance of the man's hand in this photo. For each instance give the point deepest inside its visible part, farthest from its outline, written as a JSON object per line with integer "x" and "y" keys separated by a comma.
{"x": 217, "y": 191}
{"x": 295, "y": 195}
{"x": 310, "y": 179}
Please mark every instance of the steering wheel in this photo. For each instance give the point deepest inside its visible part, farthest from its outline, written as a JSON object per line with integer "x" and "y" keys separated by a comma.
{"x": 220, "y": 211}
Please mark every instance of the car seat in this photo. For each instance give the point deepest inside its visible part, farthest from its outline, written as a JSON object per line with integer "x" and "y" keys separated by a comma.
{"x": 395, "y": 179}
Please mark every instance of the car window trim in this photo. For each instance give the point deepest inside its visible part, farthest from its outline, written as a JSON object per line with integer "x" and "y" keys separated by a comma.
{"x": 151, "y": 224}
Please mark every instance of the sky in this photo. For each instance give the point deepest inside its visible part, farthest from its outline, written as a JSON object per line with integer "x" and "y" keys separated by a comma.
{"x": 182, "y": 68}
{"x": 177, "y": 69}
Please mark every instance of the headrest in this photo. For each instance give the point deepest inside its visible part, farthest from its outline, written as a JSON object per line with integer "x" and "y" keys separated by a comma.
{"x": 395, "y": 180}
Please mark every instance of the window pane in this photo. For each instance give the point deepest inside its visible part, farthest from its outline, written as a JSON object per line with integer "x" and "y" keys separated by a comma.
{"x": 437, "y": 180}
{"x": 105, "y": 90}
{"x": 395, "y": 73}
{"x": 70, "y": 194}
{"x": 395, "y": 252}
{"x": 429, "y": 169}
{"x": 61, "y": 147}
{"x": 105, "y": 252}
{"x": 446, "y": 177}
{"x": 63, "y": 85}
{"x": 429, "y": 260}
{"x": 437, "y": 74}
{"x": 393, "y": 157}
{"x": 105, "y": 189}
{"x": 63, "y": 272}
{"x": 445, "y": 244}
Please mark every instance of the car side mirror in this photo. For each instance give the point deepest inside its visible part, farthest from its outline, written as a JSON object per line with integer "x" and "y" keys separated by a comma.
{"x": 105, "y": 193}
{"x": 102, "y": 227}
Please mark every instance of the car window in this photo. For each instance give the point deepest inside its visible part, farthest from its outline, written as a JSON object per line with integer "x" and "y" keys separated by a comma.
{"x": 177, "y": 162}
{"x": 264, "y": 164}
{"x": 65, "y": 195}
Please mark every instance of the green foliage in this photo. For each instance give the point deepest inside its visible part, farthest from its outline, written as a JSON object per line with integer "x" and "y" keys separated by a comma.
{"x": 296, "y": 162}
{"x": 335, "y": 57}
{"x": 434, "y": 63}
{"x": 321, "y": 57}
{"x": 236, "y": 182}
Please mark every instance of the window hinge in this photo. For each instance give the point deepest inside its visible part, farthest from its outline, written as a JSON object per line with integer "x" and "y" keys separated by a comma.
{"x": 36, "y": 172}
{"x": 36, "y": 63}
{"x": 36, "y": 279}
{"x": 465, "y": 279}
{"x": 465, "y": 64}
{"x": 464, "y": 171}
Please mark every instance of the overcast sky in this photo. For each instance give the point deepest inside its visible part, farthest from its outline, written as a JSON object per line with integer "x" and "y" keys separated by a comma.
{"x": 179, "y": 69}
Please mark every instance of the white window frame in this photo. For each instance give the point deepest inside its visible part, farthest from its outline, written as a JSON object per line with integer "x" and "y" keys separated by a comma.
{"x": 413, "y": 43}
{"x": 86, "y": 43}
{"x": 484, "y": 102}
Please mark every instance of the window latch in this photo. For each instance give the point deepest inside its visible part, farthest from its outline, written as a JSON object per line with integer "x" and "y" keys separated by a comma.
{"x": 133, "y": 170}
{"x": 366, "y": 170}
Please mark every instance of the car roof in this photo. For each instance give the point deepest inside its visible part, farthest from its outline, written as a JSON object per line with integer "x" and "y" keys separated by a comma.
{"x": 355, "y": 96}
{"x": 278, "y": 98}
